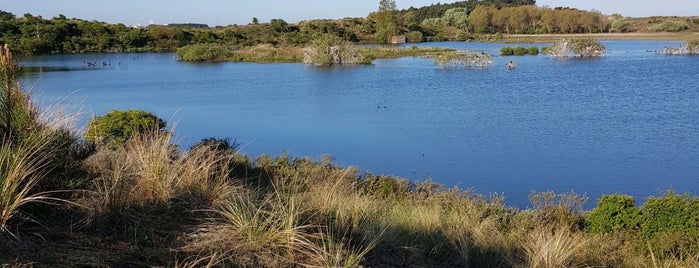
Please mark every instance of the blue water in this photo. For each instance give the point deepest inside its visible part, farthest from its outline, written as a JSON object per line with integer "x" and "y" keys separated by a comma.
{"x": 624, "y": 123}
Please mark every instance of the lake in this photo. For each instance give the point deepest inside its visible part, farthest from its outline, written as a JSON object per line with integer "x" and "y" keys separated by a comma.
{"x": 624, "y": 123}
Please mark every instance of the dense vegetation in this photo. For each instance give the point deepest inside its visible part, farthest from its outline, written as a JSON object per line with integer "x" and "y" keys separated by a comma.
{"x": 518, "y": 51}
{"x": 139, "y": 200}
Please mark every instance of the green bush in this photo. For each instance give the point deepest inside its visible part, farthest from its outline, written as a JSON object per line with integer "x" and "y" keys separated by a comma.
{"x": 671, "y": 225}
{"x": 518, "y": 51}
{"x": 507, "y": 51}
{"x": 533, "y": 51}
{"x": 614, "y": 213}
{"x": 203, "y": 52}
{"x": 669, "y": 26}
{"x": 671, "y": 213}
{"x": 117, "y": 126}
{"x": 414, "y": 37}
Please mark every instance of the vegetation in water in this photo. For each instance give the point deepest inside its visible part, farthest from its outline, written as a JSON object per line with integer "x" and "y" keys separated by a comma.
{"x": 578, "y": 47}
{"x": 328, "y": 49}
{"x": 518, "y": 51}
{"x": 468, "y": 60}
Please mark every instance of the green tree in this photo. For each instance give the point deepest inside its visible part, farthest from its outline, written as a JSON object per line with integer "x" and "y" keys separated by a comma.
{"x": 456, "y": 17}
{"x": 385, "y": 21}
{"x": 116, "y": 127}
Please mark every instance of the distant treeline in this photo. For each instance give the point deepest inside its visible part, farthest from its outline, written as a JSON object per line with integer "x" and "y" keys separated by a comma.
{"x": 463, "y": 20}
{"x": 438, "y": 10}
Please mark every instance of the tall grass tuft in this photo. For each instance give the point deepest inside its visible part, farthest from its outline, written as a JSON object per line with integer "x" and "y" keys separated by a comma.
{"x": 21, "y": 168}
{"x": 554, "y": 248}
{"x": 27, "y": 146}
{"x": 149, "y": 172}
{"x": 247, "y": 230}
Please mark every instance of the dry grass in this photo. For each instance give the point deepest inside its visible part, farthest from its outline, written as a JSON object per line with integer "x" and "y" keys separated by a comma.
{"x": 149, "y": 171}
{"x": 554, "y": 248}
{"x": 21, "y": 168}
{"x": 245, "y": 231}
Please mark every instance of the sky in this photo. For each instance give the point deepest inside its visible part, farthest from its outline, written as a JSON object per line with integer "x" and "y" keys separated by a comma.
{"x": 227, "y": 12}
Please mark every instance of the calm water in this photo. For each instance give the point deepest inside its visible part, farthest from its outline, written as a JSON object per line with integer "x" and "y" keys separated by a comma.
{"x": 625, "y": 123}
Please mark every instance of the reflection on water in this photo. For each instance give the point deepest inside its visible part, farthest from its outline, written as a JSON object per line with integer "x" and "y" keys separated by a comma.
{"x": 625, "y": 123}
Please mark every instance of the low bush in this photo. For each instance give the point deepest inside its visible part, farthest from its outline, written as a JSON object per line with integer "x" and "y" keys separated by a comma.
{"x": 518, "y": 51}
{"x": 614, "y": 213}
{"x": 670, "y": 224}
{"x": 203, "y": 52}
{"x": 116, "y": 127}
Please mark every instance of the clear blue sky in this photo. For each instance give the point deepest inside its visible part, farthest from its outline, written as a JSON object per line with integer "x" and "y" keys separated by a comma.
{"x": 225, "y": 12}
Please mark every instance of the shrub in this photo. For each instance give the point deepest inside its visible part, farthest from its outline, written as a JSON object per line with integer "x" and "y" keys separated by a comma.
{"x": 414, "y": 37}
{"x": 507, "y": 51}
{"x": 329, "y": 49}
{"x": 519, "y": 51}
{"x": 613, "y": 213}
{"x": 203, "y": 52}
{"x": 117, "y": 126}
{"x": 669, "y": 26}
{"x": 621, "y": 26}
{"x": 533, "y": 51}
{"x": 671, "y": 225}
{"x": 671, "y": 213}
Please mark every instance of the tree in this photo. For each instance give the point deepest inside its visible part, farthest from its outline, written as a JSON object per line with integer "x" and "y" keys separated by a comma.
{"x": 255, "y": 21}
{"x": 387, "y": 5}
{"x": 116, "y": 127}
{"x": 456, "y": 17}
{"x": 481, "y": 18}
{"x": 385, "y": 20}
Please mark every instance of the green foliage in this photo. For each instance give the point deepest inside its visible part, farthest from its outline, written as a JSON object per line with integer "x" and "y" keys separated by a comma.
{"x": 507, "y": 51}
{"x": 671, "y": 225}
{"x": 414, "y": 37}
{"x": 621, "y": 26}
{"x": 116, "y": 127}
{"x": 386, "y": 186}
{"x": 203, "y": 52}
{"x": 518, "y": 51}
{"x": 614, "y": 213}
{"x": 533, "y": 51}
{"x": 670, "y": 213}
{"x": 669, "y": 26}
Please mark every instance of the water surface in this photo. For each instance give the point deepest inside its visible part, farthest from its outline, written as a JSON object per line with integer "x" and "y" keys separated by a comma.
{"x": 626, "y": 123}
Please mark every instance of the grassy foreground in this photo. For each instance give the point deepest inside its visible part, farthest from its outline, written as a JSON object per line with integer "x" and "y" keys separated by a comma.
{"x": 146, "y": 202}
